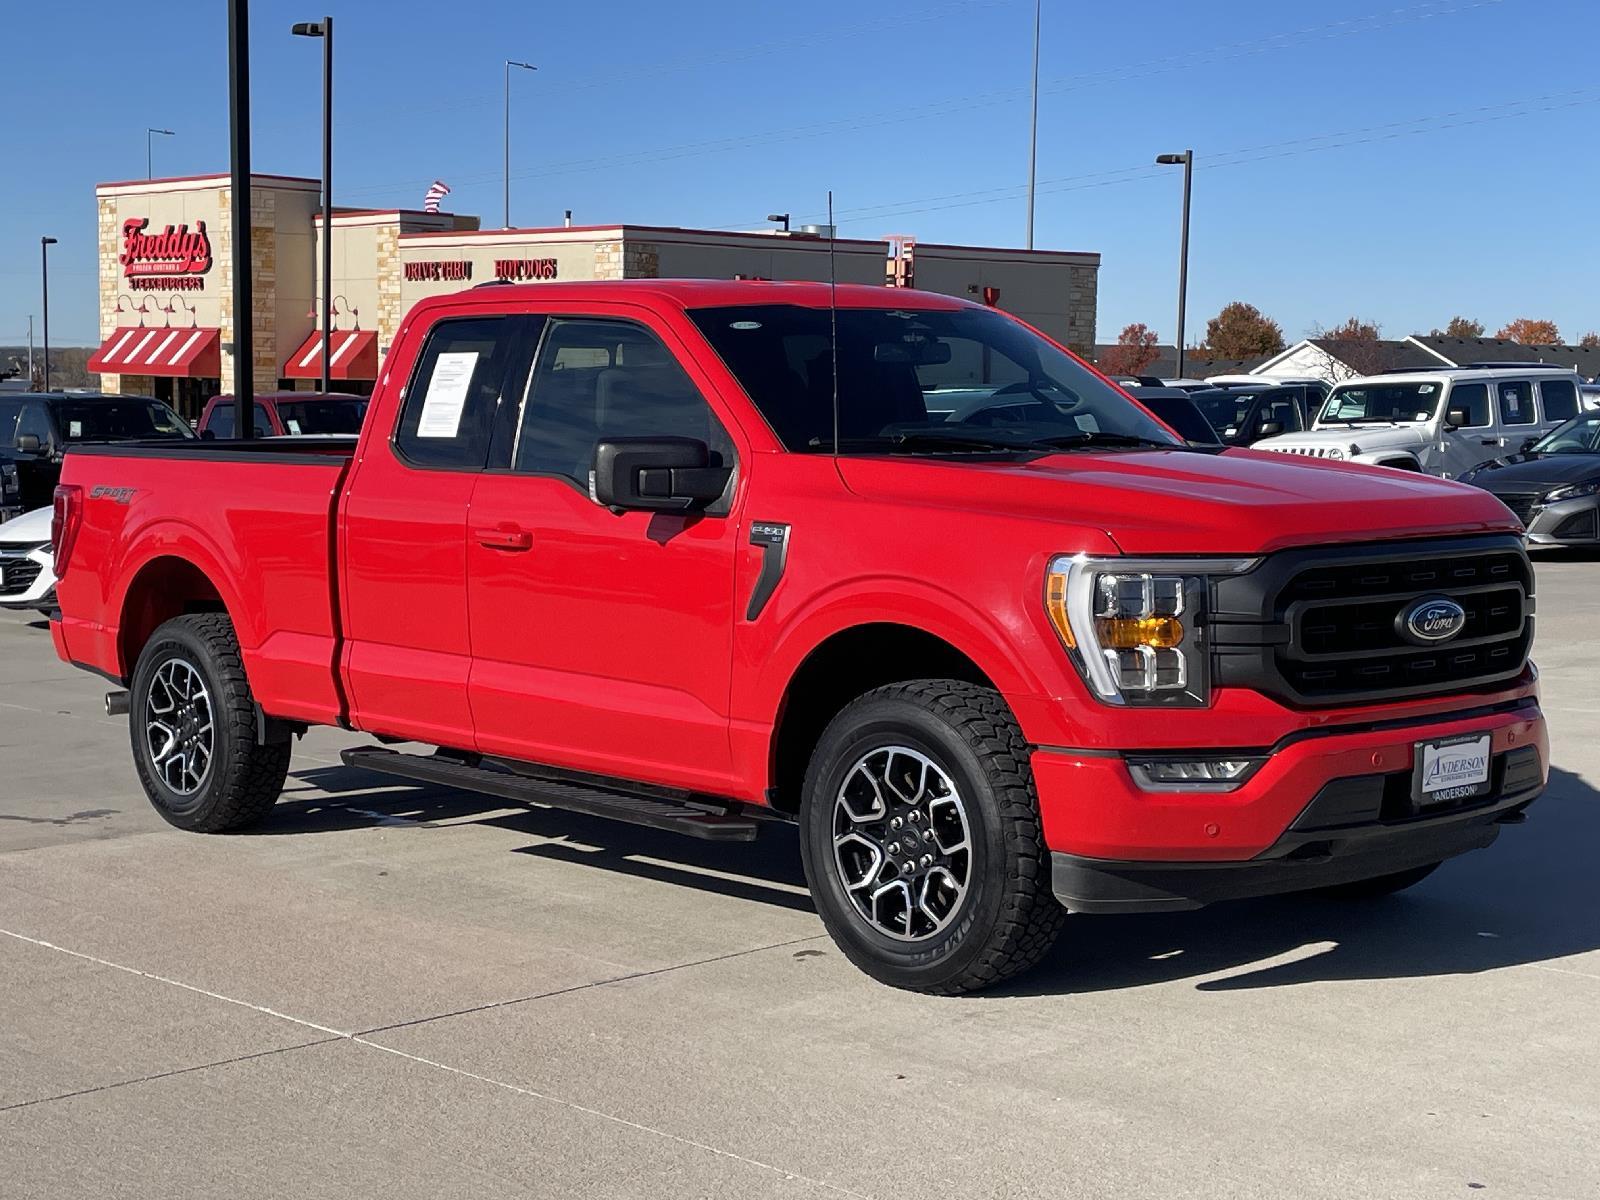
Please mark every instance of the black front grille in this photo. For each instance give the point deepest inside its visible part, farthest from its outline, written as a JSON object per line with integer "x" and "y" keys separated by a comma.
{"x": 20, "y": 574}
{"x": 1325, "y": 626}
{"x": 1520, "y": 503}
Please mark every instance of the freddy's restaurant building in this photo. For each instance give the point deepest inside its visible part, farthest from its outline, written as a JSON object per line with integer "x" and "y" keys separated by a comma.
{"x": 166, "y": 284}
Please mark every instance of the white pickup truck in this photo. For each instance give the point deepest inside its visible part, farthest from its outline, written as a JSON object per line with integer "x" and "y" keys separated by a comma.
{"x": 1439, "y": 422}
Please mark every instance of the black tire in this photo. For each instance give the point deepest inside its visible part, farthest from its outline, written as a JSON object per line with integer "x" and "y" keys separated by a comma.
{"x": 1007, "y": 919}
{"x": 243, "y": 776}
{"x": 1381, "y": 885}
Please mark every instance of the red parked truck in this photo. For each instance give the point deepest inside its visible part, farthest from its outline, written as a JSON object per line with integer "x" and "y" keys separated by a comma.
{"x": 999, "y": 642}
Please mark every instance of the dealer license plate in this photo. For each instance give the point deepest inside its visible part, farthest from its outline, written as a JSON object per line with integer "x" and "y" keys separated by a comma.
{"x": 1453, "y": 769}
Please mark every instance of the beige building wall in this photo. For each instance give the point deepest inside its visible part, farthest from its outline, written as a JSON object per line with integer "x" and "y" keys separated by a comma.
{"x": 1056, "y": 292}
{"x": 685, "y": 254}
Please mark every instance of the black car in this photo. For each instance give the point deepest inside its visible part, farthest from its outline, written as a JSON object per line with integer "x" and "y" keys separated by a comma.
{"x": 1553, "y": 484}
{"x": 36, "y": 429}
{"x": 1242, "y": 415}
{"x": 1175, "y": 407}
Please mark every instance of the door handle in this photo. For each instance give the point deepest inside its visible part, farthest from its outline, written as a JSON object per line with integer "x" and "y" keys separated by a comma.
{"x": 1489, "y": 441}
{"x": 504, "y": 537}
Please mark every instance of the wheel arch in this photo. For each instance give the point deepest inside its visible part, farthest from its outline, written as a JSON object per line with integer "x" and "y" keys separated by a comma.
{"x": 164, "y": 586}
{"x": 846, "y": 664}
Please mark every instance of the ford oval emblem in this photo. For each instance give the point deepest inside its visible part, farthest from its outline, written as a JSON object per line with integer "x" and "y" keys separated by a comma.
{"x": 1431, "y": 619}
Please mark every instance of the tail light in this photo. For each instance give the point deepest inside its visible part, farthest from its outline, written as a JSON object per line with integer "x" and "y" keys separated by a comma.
{"x": 64, "y": 522}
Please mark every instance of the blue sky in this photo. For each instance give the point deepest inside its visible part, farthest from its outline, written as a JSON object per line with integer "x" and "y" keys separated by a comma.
{"x": 1401, "y": 160}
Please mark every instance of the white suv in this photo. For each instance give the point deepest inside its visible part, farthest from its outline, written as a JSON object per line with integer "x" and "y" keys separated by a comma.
{"x": 27, "y": 568}
{"x": 1439, "y": 422}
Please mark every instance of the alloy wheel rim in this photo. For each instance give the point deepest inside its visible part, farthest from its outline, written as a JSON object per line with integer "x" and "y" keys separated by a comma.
{"x": 902, "y": 844}
{"x": 180, "y": 727}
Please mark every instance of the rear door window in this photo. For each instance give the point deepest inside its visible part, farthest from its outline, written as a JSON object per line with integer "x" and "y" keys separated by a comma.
{"x": 1473, "y": 400}
{"x": 458, "y": 390}
{"x": 1516, "y": 402}
{"x": 1560, "y": 399}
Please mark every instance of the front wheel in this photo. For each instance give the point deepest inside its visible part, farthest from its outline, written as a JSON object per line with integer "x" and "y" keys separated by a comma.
{"x": 921, "y": 839}
{"x": 192, "y": 720}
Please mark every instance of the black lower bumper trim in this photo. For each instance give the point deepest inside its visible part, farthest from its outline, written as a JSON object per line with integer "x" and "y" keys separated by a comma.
{"x": 1297, "y": 863}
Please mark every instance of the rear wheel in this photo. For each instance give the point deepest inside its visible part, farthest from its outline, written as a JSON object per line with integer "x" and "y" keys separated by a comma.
{"x": 1381, "y": 885}
{"x": 192, "y": 721}
{"x": 921, "y": 839}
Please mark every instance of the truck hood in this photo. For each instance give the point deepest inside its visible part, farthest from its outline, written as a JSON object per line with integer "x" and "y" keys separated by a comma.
{"x": 1186, "y": 502}
{"x": 1367, "y": 437}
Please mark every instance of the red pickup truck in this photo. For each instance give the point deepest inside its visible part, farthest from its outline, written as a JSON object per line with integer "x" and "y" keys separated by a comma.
{"x": 895, "y": 567}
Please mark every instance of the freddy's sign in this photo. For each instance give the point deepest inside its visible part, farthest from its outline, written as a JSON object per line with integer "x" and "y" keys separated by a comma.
{"x": 175, "y": 251}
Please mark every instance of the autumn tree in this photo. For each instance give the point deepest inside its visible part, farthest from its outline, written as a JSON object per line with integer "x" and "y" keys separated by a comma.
{"x": 1351, "y": 348}
{"x": 1135, "y": 350}
{"x": 1461, "y": 327}
{"x": 1527, "y": 331}
{"x": 1241, "y": 330}
{"x": 1590, "y": 341}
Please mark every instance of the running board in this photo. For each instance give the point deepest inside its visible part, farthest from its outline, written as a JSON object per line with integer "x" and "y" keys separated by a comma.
{"x": 708, "y": 822}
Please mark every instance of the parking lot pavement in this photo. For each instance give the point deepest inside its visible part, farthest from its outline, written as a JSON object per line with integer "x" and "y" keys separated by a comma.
{"x": 393, "y": 990}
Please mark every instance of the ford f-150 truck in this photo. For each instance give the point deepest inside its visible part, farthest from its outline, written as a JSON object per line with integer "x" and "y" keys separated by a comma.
{"x": 890, "y": 565}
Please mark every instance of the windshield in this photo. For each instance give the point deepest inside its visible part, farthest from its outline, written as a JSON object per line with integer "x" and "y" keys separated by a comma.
{"x": 321, "y": 416}
{"x": 919, "y": 381}
{"x": 1581, "y": 435}
{"x": 1383, "y": 403}
{"x": 1224, "y": 411}
{"x": 119, "y": 420}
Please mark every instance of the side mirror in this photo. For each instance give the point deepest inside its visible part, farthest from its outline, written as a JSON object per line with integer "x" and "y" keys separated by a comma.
{"x": 1271, "y": 428}
{"x": 208, "y": 435}
{"x": 1528, "y": 443}
{"x": 28, "y": 443}
{"x": 1455, "y": 418}
{"x": 657, "y": 475}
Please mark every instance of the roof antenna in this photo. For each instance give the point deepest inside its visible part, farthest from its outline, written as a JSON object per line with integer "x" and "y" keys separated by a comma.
{"x": 833, "y": 321}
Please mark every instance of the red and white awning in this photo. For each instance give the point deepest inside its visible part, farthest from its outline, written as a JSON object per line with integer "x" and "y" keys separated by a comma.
{"x": 352, "y": 354}
{"x": 134, "y": 350}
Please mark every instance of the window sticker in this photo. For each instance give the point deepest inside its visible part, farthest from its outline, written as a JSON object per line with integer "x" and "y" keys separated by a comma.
{"x": 294, "y": 426}
{"x": 74, "y": 429}
{"x": 447, "y": 394}
{"x": 1425, "y": 390}
{"x": 745, "y": 325}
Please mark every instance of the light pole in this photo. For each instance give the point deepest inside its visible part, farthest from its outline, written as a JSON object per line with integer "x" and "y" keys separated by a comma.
{"x": 324, "y": 29}
{"x": 511, "y": 62}
{"x": 244, "y": 380}
{"x": 775, "y": 218}
{"x": 44, "y": 281}
{"x": 149, "y": 152}
{"x": 1172, "y": 160}
{"x": 1033, "y": 128}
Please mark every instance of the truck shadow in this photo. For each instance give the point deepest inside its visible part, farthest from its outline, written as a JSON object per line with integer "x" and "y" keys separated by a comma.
{"x": 1532, "y": 897}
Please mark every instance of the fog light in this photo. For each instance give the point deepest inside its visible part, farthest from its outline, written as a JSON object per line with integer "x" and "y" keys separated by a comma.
{"x": 1197, "y": 774}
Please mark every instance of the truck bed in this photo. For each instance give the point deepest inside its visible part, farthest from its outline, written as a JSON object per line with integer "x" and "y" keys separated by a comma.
{"x": 255, "y": 517}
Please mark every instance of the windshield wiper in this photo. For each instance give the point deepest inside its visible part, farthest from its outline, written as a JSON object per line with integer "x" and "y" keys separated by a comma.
{"x": 955, "y": 440}
{"x": 1072, "y": 441}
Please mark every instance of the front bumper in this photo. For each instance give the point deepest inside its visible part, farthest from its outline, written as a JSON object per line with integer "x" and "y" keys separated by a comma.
{"x": 1323, "y": 809}
{"x": 27, "y": 578}
{"x": 1573, "y": 522}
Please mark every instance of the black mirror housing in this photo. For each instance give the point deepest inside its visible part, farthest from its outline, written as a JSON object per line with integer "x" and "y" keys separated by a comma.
{"x": 29, "y": 443}
{"x": 657, "y": 475}
{"x": 1455, "y": 418}
{"x": 1271, "y": 428}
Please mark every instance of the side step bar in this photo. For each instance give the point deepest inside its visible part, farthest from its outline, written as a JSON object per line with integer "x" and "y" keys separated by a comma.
{"x": 712, "y": 824}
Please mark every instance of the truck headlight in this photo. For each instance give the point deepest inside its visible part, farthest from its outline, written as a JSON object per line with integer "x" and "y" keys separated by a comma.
{"x": 1136, "y": 628}
{"x": 1571, "y": 492}
{"x": 1335, "y": 452}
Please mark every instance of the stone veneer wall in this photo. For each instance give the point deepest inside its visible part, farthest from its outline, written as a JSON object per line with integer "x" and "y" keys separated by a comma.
{"x": 390, "y": 309}
{"x": 263, "y": 285}
{"x": 1082, "y": 300}
{"x": 110, "y": 247}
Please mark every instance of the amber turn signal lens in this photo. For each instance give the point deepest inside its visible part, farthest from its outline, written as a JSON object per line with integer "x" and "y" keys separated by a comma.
{"x": 1055, "y": 603}
{"x": 1130, "y": 633}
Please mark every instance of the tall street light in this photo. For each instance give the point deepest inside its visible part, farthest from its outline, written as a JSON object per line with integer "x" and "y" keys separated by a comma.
{"x": 244, "y": 381}
{"x": 149, "y": 153}
{"x": 1187, "y": 161}
{"x": 1033, "y": 128}
{"x": 511, "y": 62}
{"x": 44, "y": 281}
{"x": 324, "y": 29}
